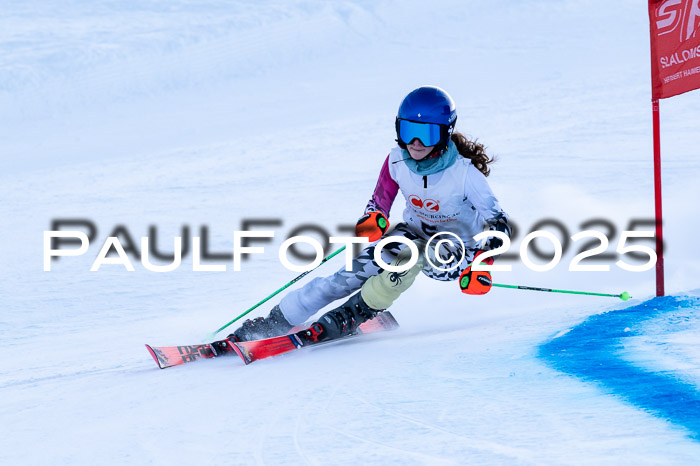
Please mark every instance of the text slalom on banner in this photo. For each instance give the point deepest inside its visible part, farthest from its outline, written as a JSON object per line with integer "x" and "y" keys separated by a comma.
{"x": 675, "y": 46}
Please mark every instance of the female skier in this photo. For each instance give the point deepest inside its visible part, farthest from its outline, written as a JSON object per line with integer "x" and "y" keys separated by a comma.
{"x": 442, "y": 176}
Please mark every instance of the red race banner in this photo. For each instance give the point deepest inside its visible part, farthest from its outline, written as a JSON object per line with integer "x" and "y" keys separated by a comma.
{"x": 675, "y": 47}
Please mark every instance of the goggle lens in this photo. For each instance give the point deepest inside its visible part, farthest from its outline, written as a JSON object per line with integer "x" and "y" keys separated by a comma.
{"x": 427, "y": 133}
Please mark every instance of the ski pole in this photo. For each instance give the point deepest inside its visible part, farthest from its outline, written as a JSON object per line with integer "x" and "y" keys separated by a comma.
{"x": 623, "y": 296}
{"x": 299, "y": 277}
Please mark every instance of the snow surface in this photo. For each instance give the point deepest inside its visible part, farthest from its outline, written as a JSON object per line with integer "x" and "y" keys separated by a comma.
{"x": 208, "y": 113}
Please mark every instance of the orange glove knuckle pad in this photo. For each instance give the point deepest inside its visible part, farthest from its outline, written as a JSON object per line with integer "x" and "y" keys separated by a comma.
{"x": 473, "y": 282}
{"x": 372, "y": 225}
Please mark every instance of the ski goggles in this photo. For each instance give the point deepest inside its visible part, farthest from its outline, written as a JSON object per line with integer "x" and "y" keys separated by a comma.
{"x": 428, "y": 133}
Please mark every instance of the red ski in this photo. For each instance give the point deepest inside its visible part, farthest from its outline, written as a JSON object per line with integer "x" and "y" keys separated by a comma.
{"x": 168, "y": 356}
{"x": 249, "y": 351}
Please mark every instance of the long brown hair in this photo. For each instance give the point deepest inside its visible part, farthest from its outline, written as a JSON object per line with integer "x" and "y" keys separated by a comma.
{"x": 473, "y": 151}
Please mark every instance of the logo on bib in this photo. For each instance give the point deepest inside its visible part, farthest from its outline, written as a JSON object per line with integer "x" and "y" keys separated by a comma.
{"x": 429, "y": 205}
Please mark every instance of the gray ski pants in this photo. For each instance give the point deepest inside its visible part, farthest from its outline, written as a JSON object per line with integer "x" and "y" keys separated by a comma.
{"x": 379, "y": 287}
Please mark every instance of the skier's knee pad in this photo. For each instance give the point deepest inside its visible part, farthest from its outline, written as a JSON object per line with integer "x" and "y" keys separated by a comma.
{"x": 380, "y": 291}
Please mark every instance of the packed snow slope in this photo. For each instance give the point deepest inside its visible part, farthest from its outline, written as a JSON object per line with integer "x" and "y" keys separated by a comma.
{"x": 181, "y": 115}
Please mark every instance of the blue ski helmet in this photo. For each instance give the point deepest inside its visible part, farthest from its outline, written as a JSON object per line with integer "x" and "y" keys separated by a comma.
{"x": 428, "y": 114}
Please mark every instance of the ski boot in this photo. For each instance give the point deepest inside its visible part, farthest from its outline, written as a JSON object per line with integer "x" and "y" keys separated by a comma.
{"x": 256, "y": 329}
{"x": 345, "y": 319}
